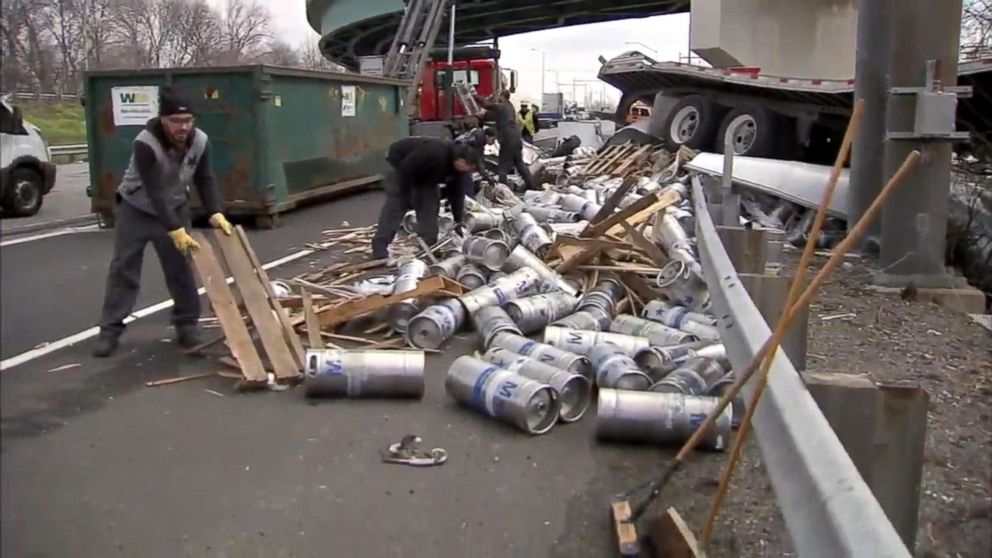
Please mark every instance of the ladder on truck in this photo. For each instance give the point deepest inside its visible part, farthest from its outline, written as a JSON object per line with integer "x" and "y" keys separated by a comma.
{"x": 413, "y": 42}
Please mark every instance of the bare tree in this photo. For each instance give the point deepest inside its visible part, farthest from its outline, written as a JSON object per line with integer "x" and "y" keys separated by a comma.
{"x": 28, "y": 57}
{"x": 976, "y": 29}
{"x": 279, "y": 53}
{"x": 312, "y": 58}
{"x": 246, "y": 28}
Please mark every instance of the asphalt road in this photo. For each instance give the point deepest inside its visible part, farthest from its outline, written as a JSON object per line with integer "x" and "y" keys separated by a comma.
{"x": 96, "y": 464}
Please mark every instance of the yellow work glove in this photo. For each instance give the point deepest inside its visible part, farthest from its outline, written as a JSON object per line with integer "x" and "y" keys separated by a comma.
{"x": 183, "y": 241}
{"x": 218, "y": 221}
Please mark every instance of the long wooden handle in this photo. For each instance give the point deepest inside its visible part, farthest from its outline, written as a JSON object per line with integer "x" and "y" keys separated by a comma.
{"x": 794, "y": 289}
{"x": 912, "y": 160}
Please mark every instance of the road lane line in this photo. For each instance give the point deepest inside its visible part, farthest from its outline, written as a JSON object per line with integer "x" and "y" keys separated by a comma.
{"x": 61, "y": 232}
{"x": 71, "y": 340}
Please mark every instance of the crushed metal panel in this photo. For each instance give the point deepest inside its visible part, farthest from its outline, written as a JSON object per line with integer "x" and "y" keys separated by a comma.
{"x": 800, "y": 183}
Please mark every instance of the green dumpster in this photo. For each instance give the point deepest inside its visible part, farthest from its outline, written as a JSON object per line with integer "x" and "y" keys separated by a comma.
{"x": 279, "y": 136}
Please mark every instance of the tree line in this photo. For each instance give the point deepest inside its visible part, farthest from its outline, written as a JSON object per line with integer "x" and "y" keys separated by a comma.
{"x": 46, "y": 45}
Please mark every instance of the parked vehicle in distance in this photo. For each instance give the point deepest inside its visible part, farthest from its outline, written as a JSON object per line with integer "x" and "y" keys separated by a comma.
{"x": 26, "y": 169}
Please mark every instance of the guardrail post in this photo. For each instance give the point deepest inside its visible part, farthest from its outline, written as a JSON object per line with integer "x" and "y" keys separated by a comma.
{"x": 769, "y": 293}
{"x": 752, "y": 250}
{"x": 883, "y": 429}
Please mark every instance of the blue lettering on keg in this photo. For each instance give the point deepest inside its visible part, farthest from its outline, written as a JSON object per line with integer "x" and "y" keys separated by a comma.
{"x": 695, "y": 419}
{"x": 502, "y": 396}
{"x": 574, "y": 338}
{"x": 528, "y": 347}
{"x": 546, "y": 358}
{"x": 479, "y": 389}
{"x": 679, "y": 316}
{"x": 500, "y": 296}
{"x": 333, "y": 367}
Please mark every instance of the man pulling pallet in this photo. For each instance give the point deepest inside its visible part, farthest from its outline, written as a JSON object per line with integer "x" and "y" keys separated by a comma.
{"x": 169, "y": 156}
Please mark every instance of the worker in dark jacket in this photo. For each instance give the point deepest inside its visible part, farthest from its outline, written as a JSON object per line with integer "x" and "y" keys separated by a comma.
{"x": 478, "y": 139}
{"x": 511, "y": 143}
{"x": 170, "y": 155}
{"x": 417, "y": 166}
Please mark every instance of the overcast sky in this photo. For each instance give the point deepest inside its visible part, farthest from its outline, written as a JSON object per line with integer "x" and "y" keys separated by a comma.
{"x": 572, "y": 52}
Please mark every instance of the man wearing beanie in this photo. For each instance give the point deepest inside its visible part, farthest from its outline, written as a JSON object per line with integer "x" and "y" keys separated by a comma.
{"x": 169, "y": 156}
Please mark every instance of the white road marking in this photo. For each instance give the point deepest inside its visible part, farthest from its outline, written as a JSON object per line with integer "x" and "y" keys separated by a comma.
{"x": 49, "y": 348}
{"x": 60, "y": 232}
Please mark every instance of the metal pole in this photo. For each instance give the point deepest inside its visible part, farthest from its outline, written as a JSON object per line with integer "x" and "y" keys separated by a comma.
{"x": 451, "y": 59}
{"x": 914, "y": 221}
{"x": 542, "y": 77}
{"x": 451, "y": 36}
{"x": 871, "y": 83}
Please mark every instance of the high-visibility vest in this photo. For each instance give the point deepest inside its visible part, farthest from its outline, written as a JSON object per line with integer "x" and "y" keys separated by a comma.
{"x": 527, "y": 121}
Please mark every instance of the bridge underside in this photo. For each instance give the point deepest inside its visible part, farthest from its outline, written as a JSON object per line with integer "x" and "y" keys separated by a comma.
{"x": 352, "y": 28}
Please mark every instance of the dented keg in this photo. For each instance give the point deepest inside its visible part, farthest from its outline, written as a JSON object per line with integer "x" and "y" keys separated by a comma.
{"x": 582, "y": 341}
{"x": 658, "y": 334}
{"x": 662, "y": 418}
{"x": 533, "y": 313}
{"x": 363, "y": 373}
{"x": 486, "y": 251}
{"x": 505, "y": 289}
{"x": 448, "y": 267}
{"x": 408, "y": 277}
{"x": 614, "y": 369}
{"x": 504, "y": 395}
{"x": 435, "y": 325}
{"x": 674, "y": 315}
{"x": 547, "y": 354}
{"x": 531, "y": 235}
{"x": 490, "y": 321}
{"x": 478, "y": 221}
{"x": 574, "y": 390}
{"x": 471, "y": 276}
{"x": 683, "y": 285}
{"x": 522, "y": 258}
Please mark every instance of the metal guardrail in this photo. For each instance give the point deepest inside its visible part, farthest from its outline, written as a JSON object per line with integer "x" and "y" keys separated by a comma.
{"x": 31, "y": 96}
{"x": 828, "y": 509}
{"x": 73, "y": 149}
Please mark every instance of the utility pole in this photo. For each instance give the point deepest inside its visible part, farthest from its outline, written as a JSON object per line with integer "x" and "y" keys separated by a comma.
{"x": 926, "y": 35}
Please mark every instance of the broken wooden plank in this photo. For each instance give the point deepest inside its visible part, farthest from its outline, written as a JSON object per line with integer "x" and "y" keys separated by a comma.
{"x": 611, "y": 204}
{"x": 288, "y": 332}
{"x": 259, "y": 308}
{"x": 672, "y": 538}
{"x": 624, "y": 529}
{"x": 630, "y": 163}
{"x": 313, "y": 325}
{"x": 178, "y": 379}
{"x": 340, "y": 313}
{"x": 222, "y": 300}
{"x": 574, "y": 256}
{"x": 652, "y": 250}
{"x": 633, "y": 213}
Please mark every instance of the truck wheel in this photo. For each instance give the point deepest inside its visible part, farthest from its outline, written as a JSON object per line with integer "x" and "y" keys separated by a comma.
{"x": 756, "y": 132}
{"x": 23, "y": 197}
{"x": 692, "y": 122}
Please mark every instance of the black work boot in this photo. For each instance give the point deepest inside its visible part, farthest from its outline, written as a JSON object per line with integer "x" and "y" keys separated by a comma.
{"x": 106, "y": 344}
{"x": 189, "y": 336}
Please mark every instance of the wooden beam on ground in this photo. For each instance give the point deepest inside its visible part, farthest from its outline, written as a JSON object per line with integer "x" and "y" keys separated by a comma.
{"x": 631, "y": 160}
{"x": 281, "y": 314}
{"x": 258, "y": 306}
{"x": 339, "y": 313}
{"x": 624, "y": 529}
{"x": 672, "y": 538}
{"x": 222, "y": 300}
{"x": 313, "y": 325}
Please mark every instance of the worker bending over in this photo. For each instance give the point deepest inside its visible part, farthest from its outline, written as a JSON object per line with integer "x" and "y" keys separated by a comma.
{"x": 511, "y": 144}
{"x": 417, "y": 166}
{"x": 478, "y": 139}
{"x": 168, "y": 157}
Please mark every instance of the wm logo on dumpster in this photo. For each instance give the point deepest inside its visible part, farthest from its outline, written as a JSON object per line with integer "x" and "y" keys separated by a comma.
{"x": 134, "y": 97}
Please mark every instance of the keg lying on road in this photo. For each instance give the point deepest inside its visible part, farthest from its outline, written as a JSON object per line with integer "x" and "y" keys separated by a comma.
{"x": 491, "y": 321}
{"x": 582, "y": 341}
{"x": 614, "y": 369}
{"x": 659, "y": 361}
{"x": 521, "y": 258}
{"x": 363, "y": 373}
{"x": 478, "y": 221}
{"x": 504, "y": 395}
{"x": 534, "y": 313}
{"x": 662, "y": 418}
{"x": 513, "y": 286}
{"x": 719, "y": 388}
{"x": 590, "y": 319}
{"x": 692, "y": 377}
{"x": 486, "y": 251}
{"x": 531, "y": 235}
{"x": 448, "y": 267}
{"x": 674, "y": 315}
{"x": 683, "y": 285}
{"x": 431, "y": 328}
{"x": 471, "y": 276}
{"x": 574, "y": 390}
{"x": 658, "y": 334}
{"x": 547, "y": 354}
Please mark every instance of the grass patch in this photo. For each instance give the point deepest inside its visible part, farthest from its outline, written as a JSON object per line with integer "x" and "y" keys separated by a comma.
{"x": 60, "y": 123}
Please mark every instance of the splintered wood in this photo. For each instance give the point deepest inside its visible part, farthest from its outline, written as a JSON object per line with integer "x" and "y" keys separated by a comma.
{"x": 267, "y": 316}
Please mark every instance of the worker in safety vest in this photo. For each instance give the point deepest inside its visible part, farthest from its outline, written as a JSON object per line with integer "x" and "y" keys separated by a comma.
{"x": 169, "y": 156}
{"x": 417, "y": 167}
{"x": 528, "y": 122}
{"x": 511, "y": 145}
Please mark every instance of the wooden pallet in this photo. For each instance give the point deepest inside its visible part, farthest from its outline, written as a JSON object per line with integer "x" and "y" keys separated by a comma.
{"x": 617, "y": 160}
{"x": 279, "y": 340}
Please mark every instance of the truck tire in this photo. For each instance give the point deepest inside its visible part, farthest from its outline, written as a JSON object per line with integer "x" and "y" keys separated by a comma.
{"x": 756, "y": 132}
{"x": 692, "y": 122}
{"x": 24, "y": 194}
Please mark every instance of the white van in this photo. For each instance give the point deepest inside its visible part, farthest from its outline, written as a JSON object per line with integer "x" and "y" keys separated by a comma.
{"x": 26, "y": 169}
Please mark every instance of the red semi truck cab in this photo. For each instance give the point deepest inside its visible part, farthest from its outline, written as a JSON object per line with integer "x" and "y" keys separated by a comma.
{"x": 477, "y": 66}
